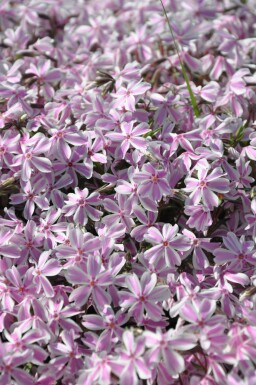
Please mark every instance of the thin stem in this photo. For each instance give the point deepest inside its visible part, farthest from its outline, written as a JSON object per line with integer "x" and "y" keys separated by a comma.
{"x": 183, "y": 69}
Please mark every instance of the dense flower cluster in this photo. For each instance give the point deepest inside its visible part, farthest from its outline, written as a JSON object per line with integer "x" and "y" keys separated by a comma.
{"x": 127, "y": 222}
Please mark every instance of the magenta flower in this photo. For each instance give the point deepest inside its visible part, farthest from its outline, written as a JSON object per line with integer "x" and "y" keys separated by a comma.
{"x": 66, "y": 353}
{"x": 45, "y": 75}
{"x": 130, "y": 136}
{"x": 59, "y": 316}
{"x": 30, "y": 158}
{"x": 200, "y": 260}
{"x": 71, "y": 166}
{"x": 7, "y": 248}
{"x": 9, "y": 366}
{"x": 32, "y": 195}
{"x": 76, "y": 248}
{"x": 80, "y": 206}
{"x": 109, "y": 322}
{"x": 163, "y": 349}
{"x": 168, "y": 244}
{"x": 62, "y": 137}
{"x": 251, "y": 219}
{"x": 92, "y": 282}
{"x": 144, "y": 296}
{"x": 200, "y": 314}
{"x": 152, "y": 182}
{"x": 126, "y": 97}
{"x": 121, "y": 212}
{"x": 48, "y": 229}
{"x": 19, "y": 343}
{"x": 31, "y": 242}
{"x": 130, "y": 364}
{"x": 205, "y": 186}
{"x": 199, "y": 217}
{"x": 45, "y": 268}
{"x": 238, "y": 252}
{"x": 147, "y": 221}
{"x": 98, "y": 369}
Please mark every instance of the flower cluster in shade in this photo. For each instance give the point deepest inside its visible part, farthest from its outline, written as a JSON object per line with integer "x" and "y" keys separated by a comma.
{"x": 127, "y": 224}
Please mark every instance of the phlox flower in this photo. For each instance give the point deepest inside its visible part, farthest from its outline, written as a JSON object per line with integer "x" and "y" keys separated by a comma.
{"x": 126, "y": 97}
{"x": 109, "y": 322}
{"x": 130, "y": 136}
{"x": 121, "y": 212}
{"x": 48, "y": 229}
{"x": 31, "y": 241}
{"x": 18, "y": 342}
{"x": 62, "y": 137}
{"x": 8, "y": 248}
{"x": 33, "y": 194}
{"x": 77, "y": 246}
{"x": 44, "y": 268}
{"x": 93, "y": 281}
{"x": 152, "y": 182}
{"x": 130, "y": 365}
{"x": 144, "y": 296}
{"x": 30, "y": 158}
{"x": 199, "y": 217}
{"x": 98, "y": 368}
{"x": 168, "y": 244}
{"x": 20, "y": 285}
{"x": 80, "y": 205}
{"x": 199, "y": 313}
{"x": 94, "y": 152}
{"x": 9, "y": 145}
{"x": 10, "y": 366}
{"x": 60, "y": 316}
{"x": 45, "y": 75}
{"x": 66, "y": 352}
{"x": 164, "y": 347}
{"x": 205, "y": 187}
{"x": 147, "y": 221}
{"x": 200, "y": 260}
{"x": 251, "y": 219}
{"x": 71, "y": 165}
{"x": 238, "y": 252}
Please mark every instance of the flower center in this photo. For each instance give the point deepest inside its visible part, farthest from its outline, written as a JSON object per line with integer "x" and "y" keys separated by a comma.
{"x": 165, "y": 243}
{"x": 111, "y": 325}
{"x": 82, "y": 202}
{"x": 196, "y": 242}
{"x": 202, "y": 183}
{"x": 154, "y": 179}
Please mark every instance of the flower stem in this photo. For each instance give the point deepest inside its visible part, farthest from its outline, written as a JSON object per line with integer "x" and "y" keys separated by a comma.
{"x": 183, "y": 69}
